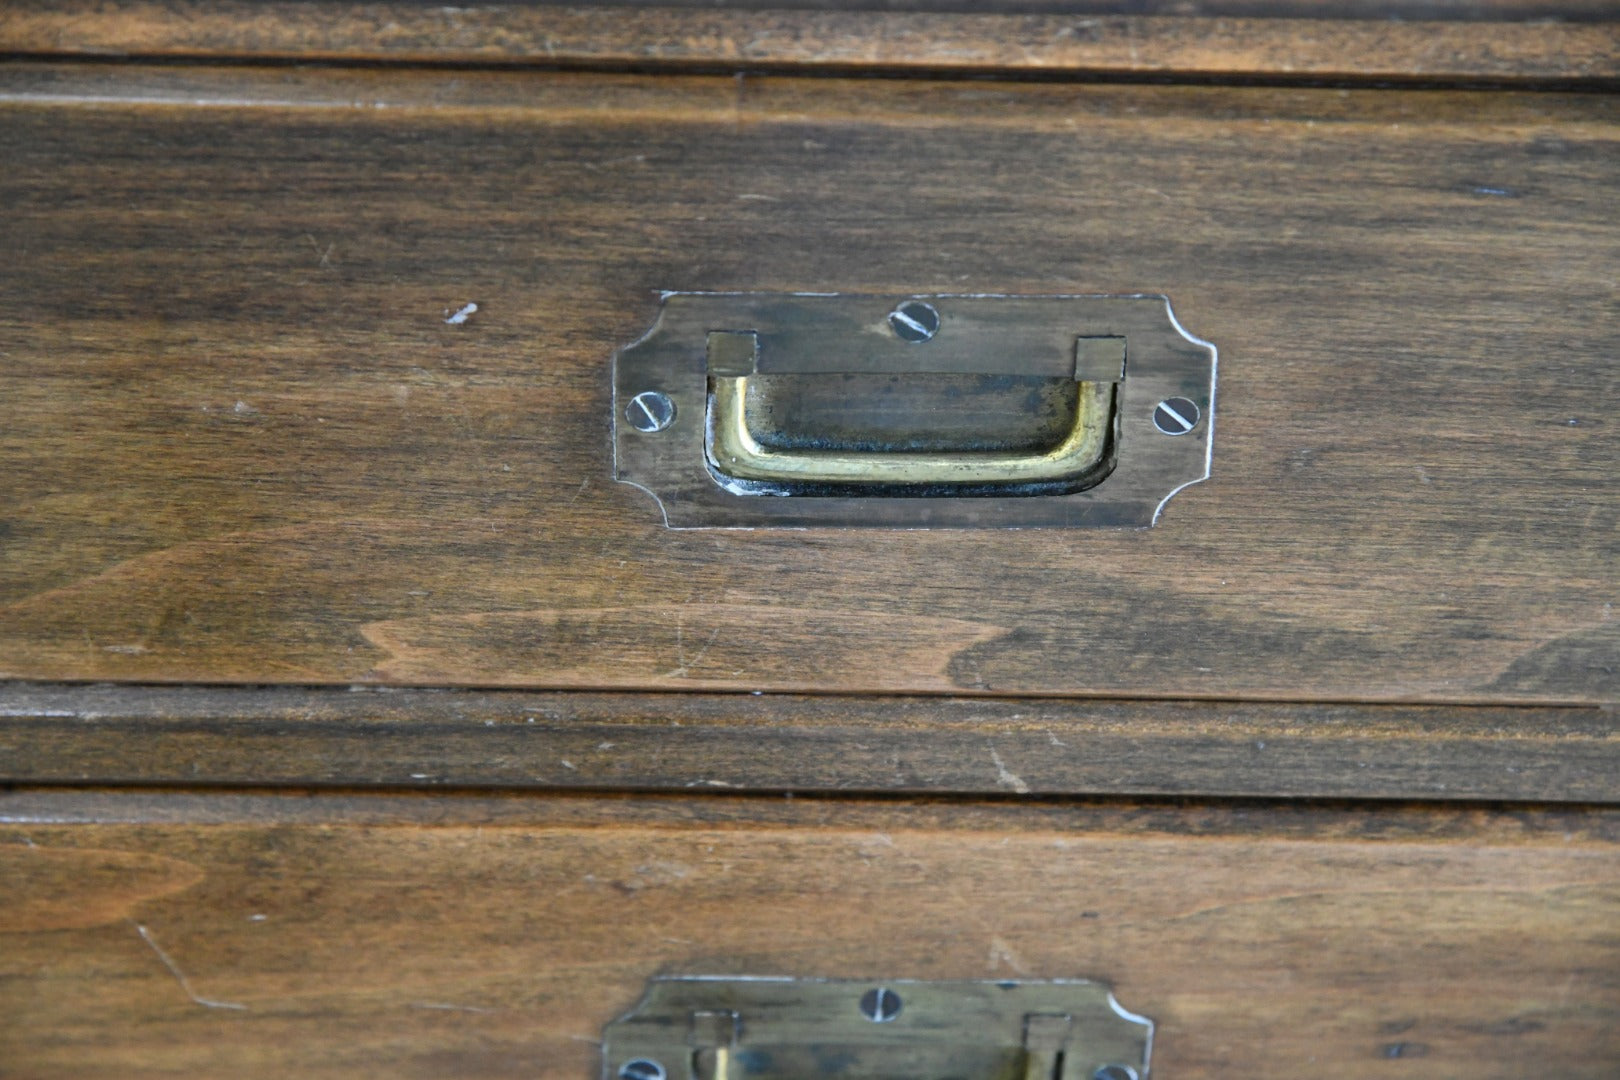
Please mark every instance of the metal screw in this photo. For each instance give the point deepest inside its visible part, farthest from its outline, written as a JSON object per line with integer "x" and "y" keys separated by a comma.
{"x": 1114, "y": 1072}
{"x": 880, "y": 1005}
{"x": 1175, "y": 416}
{"x": 914, "y": 321}
{"x": 641, "y": 1069}
{"x": 650, "y": 411}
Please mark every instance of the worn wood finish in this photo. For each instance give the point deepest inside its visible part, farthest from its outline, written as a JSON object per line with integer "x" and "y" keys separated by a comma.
{"x": 242, "y": 445}
{"x": 1453, "y": 45}
{"x": 324, "y": 937}
{"x": 730, "y": 742}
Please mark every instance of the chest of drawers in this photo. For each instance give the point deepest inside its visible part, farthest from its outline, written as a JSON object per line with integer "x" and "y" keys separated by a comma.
{"x": 360, "y": 724}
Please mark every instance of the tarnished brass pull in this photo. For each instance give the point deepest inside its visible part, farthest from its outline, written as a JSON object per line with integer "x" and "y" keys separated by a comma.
{"x": 733, "y": 451}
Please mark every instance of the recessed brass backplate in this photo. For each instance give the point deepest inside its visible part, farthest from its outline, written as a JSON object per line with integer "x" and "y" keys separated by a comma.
{"x": 695, "y": 1028}
{"x": 745, "y": 410}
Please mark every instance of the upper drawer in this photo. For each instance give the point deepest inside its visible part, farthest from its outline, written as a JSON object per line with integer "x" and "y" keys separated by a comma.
{"x": 243, "y": 441}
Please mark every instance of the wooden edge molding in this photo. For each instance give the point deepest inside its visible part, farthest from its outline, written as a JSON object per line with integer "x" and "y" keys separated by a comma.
{"x": 898, "y": 41}
{"x": 574, "y": 97}
{"x": 1273, "y": 821}
{"x": 741, "y": 743}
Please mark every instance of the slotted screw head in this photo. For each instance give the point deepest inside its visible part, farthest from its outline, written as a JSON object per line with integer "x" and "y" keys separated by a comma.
{"x": 880, "y": 1005}
{"x": 914, "y": 321}
{"x": 650, "y": 411}
{"x": 1176, "y": 416}
{"x": 1114, "y": 1072}
{"x": 641, "y": 1069}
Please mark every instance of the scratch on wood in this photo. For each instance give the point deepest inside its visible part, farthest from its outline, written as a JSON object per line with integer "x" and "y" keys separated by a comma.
{"x": 1002, "y": 953}
{"x": 683, "y": 666}
{"x": 446, "y": 1007}
{"x": 1006, "y": 777}
{"x": 180, "y": 976}
{"x": 326, "y": 256}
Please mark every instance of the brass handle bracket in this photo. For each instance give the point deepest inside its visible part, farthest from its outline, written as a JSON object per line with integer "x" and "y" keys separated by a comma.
{"x": 1140, "y": 393}
{"x": 719, "y": 1028}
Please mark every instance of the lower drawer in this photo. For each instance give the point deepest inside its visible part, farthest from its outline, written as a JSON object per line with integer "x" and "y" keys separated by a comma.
{"x": 276, "y": 935}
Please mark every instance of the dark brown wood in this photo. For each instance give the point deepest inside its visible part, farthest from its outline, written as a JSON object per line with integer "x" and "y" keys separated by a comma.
{"x": 341, "y": 937}
{"x": 241, "y": 443}
{"x": 728, "y": 742}
{"x": 1354, "y": 40}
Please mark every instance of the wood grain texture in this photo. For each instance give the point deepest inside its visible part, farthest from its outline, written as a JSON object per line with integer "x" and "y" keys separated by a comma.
{"x": 241, "y": 444}
{"x": 730, "y": 742}
{"x": 1450, "y": 42}
{"x": 476, "y": 938}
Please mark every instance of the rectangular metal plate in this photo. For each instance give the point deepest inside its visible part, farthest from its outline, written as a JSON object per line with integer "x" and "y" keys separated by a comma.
{"x": 698, "y": 1028}
{"x": 1131, "y": 342}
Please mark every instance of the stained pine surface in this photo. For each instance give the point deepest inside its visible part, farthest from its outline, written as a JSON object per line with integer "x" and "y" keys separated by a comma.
{"x": 243, "y": 444}
{"x": 276, "y": 935}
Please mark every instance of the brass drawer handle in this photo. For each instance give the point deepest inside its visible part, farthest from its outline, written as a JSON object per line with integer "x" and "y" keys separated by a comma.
{"x": 975, "y": 411}
{"x": 733, "y": 451}
{"x": 719, "y": 1028}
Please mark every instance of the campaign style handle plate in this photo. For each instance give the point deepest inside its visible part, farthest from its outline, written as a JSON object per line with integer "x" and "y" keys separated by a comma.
{"x": 728, "y": 1028}
{"x": 749, "y": 410}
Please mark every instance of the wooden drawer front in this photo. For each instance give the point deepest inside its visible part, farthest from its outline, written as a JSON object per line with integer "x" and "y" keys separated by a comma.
{"x": 268, "y": 936}
{"x": 242, "y": 443}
